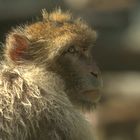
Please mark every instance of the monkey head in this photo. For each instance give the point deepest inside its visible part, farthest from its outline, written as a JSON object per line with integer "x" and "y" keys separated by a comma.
{"x": 63, "y": 46}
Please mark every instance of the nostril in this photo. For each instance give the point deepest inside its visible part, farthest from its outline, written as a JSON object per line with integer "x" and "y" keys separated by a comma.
{"x": 94, "y": 74}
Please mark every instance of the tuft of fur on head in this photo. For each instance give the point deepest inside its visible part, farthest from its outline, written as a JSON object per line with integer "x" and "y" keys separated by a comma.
{"x": 57, "y": 16}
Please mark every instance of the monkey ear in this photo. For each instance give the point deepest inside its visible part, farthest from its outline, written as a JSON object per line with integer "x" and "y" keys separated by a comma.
{"x": 16, "y": 48}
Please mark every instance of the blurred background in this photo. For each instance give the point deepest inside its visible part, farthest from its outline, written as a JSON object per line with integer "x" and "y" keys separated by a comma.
{"x": 117, "y": 52}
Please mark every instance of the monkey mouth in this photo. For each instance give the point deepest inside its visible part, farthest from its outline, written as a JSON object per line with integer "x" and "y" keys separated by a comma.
{"x": 86, "y": 100}
{"x": 91, "y": 95}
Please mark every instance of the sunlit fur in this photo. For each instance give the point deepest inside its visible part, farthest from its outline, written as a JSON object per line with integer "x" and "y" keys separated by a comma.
{"x": 33, "y": 102}
{"x": 55, "y": 33}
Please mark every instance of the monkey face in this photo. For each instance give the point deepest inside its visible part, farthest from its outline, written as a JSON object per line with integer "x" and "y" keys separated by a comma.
{"x": 81, "y": 75}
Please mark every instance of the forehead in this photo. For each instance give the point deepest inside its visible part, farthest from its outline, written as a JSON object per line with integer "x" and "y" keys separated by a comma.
{"x": 48, "y": 31}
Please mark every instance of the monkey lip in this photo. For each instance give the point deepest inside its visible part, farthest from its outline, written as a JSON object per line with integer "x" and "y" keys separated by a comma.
{"x": 91, "y": 95}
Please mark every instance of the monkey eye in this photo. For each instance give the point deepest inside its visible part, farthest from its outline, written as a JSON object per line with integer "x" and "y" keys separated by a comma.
{"x": 72, "y": 49}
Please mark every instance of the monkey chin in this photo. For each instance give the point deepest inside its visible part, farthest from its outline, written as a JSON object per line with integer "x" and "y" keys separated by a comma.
{"x": 88, "y": 100}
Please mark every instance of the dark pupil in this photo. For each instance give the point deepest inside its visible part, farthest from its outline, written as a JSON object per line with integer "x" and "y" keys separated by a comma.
{"x": 71, "y": 49}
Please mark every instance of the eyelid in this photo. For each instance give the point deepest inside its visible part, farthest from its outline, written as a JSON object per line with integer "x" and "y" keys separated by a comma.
{"x": 72, "y": 49}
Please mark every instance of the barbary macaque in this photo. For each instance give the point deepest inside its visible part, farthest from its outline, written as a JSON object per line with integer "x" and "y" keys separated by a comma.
{"x": 47, "y": 77}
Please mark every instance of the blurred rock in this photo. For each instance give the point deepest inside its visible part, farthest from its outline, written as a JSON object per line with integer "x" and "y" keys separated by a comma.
{"x": 118, "y": 116}
{"x": 101, "y": 5}
{"x": 131, "y": 37}
{"x": 19, "y": 9}
{"x": 125, "y": 84}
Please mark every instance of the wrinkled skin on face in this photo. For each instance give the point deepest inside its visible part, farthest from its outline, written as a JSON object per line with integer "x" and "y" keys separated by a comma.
{"x": 82, "y": 76}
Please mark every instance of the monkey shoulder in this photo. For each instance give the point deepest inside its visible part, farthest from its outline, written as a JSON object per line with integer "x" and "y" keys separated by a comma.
{"x": 21, "y": 102}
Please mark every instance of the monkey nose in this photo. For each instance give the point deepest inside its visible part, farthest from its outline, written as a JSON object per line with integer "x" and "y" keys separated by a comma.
{"x": 95, "y": 74}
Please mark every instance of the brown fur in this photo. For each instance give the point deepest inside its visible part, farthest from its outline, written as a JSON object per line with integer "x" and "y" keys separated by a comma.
{"x": 34, "y": 104}
{"x": 56, "y": 31}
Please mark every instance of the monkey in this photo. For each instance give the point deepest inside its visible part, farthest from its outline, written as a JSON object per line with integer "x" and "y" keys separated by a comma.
{"x": 48, "y": 77}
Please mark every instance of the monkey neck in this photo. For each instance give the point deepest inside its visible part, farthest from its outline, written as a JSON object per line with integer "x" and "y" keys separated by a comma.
{"x": 42, "y": 77}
